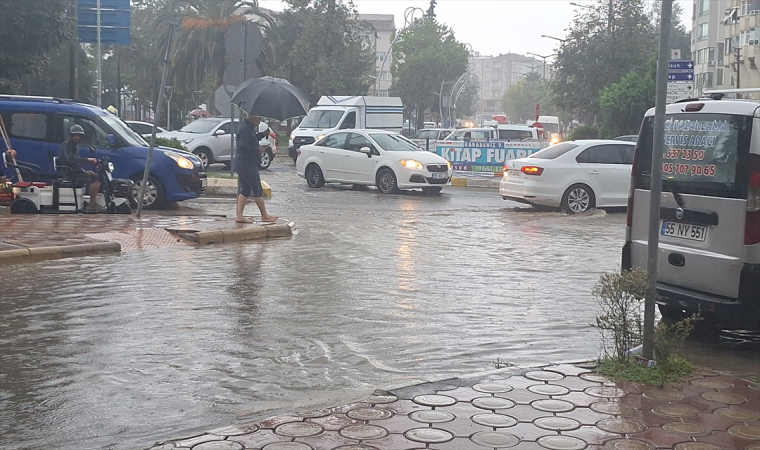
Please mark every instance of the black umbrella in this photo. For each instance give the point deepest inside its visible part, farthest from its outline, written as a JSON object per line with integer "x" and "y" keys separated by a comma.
{"x": 273, "y": 98}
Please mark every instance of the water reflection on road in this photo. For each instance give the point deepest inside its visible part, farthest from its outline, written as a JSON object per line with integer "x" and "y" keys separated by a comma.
{"x": 373, "y": 290}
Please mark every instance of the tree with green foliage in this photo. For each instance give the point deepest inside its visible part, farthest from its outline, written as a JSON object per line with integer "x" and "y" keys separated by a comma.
{"x": 28, "y": 32}
{"x": 426, "y": 56}
{"x": 323, "y": 49}
{"x": 520, "y": 99}
{"x": 431, "y": 10}
{"x": 49, "y": 76}
{"x": 623, "y": 104}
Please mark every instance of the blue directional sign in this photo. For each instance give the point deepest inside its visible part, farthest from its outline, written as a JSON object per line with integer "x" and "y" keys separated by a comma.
{"x": 681, "y": 76}
{"x": 681, "y": 65}
{"x": 114, "y": 21}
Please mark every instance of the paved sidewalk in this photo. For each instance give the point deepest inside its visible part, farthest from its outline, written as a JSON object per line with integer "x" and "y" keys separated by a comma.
{"x": 54, "y": 236}
{"x": 559, "y": 407}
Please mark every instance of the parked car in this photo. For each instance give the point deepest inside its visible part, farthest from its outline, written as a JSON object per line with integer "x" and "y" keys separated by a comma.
{"x": 38, "y": 125}
{"x": 144, "y": 129}
{"x": 476, "y": 134}
{"x": 372, "y": 158}
{"x": 209, "y": 139}
{"x": 574, "y": 176}
{"x": 426, "y": 138}
{"x": 628, "y": 138}
{"x": 709, "y": 222}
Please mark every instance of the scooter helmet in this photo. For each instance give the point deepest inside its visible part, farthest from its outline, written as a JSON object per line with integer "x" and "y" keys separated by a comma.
{"x": 76, "y": 129}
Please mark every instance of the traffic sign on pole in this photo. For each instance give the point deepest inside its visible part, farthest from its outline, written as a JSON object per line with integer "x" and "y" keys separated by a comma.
{"x": 680, "y": 76}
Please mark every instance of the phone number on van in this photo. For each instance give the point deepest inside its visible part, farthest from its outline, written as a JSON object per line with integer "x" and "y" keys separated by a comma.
{"x": 689, "y": 169}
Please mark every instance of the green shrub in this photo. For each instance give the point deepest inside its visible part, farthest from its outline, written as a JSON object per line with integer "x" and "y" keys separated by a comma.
{"x": 172, "y": 143}
{"x": 584, "y": 132}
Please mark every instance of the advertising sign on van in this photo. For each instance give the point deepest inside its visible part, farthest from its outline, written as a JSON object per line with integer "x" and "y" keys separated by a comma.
{"x": 700, "y": 149}
{"x": 484, "y": 157}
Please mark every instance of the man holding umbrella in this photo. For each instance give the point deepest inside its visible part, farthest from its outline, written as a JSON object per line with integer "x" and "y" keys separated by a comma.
{"x": 247, "y": 162}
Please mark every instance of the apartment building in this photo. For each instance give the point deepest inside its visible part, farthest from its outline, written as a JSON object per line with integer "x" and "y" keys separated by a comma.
{"x": 496, "y": 73}
{"x": 725, "y": 44}
{"x": 385, "y": 29}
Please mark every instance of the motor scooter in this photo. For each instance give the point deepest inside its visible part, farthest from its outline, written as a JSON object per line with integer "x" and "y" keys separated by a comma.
{"x": 59, "y": 196}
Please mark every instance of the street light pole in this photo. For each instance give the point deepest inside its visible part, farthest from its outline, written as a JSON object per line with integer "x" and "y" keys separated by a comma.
{"x": 408, "y": 19}
{"x": 544, "y": 58}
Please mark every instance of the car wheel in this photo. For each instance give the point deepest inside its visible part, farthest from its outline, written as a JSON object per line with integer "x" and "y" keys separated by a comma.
{"x": 386, "y": 181}
{"x": 314, "y": 177}
{"x": 578, "y": 198}
{"x": 205, "y": 155}
{"x": 432, "y": 190}
{"x": 266, "y": 159}
{"x": 23, "y": 206}
{"x": 154, "y": 193}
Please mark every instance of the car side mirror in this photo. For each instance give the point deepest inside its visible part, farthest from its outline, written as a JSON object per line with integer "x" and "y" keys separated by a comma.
{"x": 111, "y": 140}
{"x": 219, "y": 132}
{"x": 366, "y": 150}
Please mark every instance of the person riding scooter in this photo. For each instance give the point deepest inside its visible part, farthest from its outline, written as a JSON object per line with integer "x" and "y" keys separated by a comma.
{"x": 69, "y": 157}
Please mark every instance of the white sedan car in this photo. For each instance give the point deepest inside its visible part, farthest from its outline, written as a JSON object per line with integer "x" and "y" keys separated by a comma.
{"x": 574, "y": 176}
{"x": 372, "y": 158}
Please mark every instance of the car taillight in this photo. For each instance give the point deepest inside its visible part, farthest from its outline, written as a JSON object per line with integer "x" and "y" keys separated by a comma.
{"x": 298, "y": 152}
{"x": 532, "y": 170}
{"x": 752, "y": 222}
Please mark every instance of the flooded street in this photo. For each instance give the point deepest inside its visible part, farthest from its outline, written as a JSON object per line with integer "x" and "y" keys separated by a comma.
{"x": 373, "y": 291}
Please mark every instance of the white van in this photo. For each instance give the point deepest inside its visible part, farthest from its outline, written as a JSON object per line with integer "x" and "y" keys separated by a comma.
{"x": 709, "y": 252}
{"x": 347, "y": 113}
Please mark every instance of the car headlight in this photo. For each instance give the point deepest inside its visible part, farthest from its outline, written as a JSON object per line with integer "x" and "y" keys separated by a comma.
{"x": 181, "y": 161}
{"x": 110, "y": 166}
{"x": 412, "y": 164}
{"x": 449, "y": 163}
{"x": 187, "y": 141}
{"x": 554, "y": 140}
{"x": 319, "y": 138}
{"x": 292, "y": 135}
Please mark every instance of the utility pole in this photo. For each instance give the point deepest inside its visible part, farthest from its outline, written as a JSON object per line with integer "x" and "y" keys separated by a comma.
{"x": 737, "y": 53}
{"x": 99, "y": 81}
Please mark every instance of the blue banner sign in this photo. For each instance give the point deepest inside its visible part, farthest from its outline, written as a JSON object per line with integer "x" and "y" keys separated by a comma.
{"x": 484, "y": 156}
{"x": 687, "y": 76}
{"x": 114, "y": 21}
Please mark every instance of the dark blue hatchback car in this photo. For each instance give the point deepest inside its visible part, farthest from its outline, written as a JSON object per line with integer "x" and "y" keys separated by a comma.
{"x": 37, "y": 127}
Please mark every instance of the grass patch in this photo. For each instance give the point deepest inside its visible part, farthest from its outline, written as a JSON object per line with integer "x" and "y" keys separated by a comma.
{"x": 221, "y": 175}
{"x": 656, "y": 376}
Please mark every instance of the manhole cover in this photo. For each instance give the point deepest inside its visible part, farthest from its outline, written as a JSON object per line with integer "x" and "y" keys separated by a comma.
{"x": 593, "y": 377}
{"x": 428, "y": 435}
{"x": 434, "y": 400}
{"x": 369, "y": 414}
{"x": 298, "y": 429}
{"x": 686, "y": 428}
{"x": 720, "y": 397}
{"x": 561, "y": 443}
{"x": 628, "y": 444}
{"x": 557, "y": 423}
{"x": 548, "y": 389}
{"x": 675, "y": 411}
{"x": 363, "y": 432}
{"x": 494, "y": 439}
{"x": 620, "y": 426}
{"x": 554, "y": 406}
{"x": 494, "y": 420}
{"x": 492, "y": 403}
{"x": 432, "y": 416}
{"x": 543, "y": 375}
{"x": 492, "y": 388}
{"x": 615, "y": 408}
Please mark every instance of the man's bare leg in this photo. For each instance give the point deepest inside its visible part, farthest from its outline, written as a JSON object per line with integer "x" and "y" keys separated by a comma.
{"x": 263, "y": 210}
{"x": 94, "y": 188}
{"x": 239, "y": 218}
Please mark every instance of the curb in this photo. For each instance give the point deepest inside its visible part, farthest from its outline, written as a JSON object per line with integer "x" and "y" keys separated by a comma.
{"x": 491, "y": 182}
{"x": 242, "y": 234}
{"x": 228, "y": 186}
{"x": 34, "y": 254}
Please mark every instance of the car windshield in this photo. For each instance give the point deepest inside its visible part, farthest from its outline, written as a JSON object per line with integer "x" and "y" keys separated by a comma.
{"x": 551, "y": 127}
{"x": 200, "y": 126}
{"x": 394, "y": 143}
{"x": 554, "y": 151}
{"x": 322, "y": 118}
{"x": 122, "y": 129}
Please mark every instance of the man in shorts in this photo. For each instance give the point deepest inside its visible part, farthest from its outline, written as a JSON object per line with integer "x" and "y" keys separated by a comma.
{"x": 247, "y": 160}
{"x": 68, "y": 156}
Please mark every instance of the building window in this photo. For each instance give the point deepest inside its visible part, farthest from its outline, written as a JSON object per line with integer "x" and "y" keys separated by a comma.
{"x": 702, "y": 31}
{"x": 488, "y": 75}
{"x": 704, "y": 7}
{"x": 719, "y": 77}
{"x": 750, "y": 7}
{"x": 744, "y": 38}
{"x": 380, "y": 56}
{"x": 383, "y": 93}
{"x": 727, "y": 46}
{"x": 709, "y": 79}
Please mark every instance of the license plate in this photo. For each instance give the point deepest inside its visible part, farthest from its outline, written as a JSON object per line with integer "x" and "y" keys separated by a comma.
{"x": 203, "y": 182}
{"x": 440, "y": 175}
{"x": 684, "y": 231}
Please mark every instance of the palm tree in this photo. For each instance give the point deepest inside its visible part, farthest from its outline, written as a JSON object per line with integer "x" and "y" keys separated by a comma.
{"x": 199, "y": 51}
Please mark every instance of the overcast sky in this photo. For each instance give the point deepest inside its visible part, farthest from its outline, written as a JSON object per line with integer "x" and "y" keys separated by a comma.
{"x": 490, "y": 26}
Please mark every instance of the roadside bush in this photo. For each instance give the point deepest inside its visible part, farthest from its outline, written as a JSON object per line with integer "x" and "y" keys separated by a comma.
{"x": 171, "y": 143}
{"x": 584, "y": 132}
